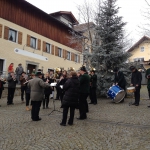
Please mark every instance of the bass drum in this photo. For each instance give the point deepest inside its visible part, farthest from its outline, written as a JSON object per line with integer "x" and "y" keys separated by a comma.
{"x": 116, "y": 93}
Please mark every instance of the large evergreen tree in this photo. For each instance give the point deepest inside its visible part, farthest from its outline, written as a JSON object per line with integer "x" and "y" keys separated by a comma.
{"x": 108, "y": 47}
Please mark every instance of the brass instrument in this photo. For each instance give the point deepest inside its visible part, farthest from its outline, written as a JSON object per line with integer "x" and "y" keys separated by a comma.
{"x": 72, "y": 69}
{"x": 2, "y": 79}
{"x": 92, "y": 69}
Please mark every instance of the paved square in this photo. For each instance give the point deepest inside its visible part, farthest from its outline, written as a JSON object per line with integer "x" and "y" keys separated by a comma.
{"x": 109, "y": 127}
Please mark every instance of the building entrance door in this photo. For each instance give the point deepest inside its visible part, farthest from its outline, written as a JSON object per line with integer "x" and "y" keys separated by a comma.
{"x": 1, "y": 65}
{"x": 30, "y": 68}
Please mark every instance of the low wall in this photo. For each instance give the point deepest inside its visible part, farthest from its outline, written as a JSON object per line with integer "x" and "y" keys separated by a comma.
{"x": 5, "y": 91}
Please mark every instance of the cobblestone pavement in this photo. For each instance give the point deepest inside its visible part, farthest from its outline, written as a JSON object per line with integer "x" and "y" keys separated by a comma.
{"x": 109, "y": 127}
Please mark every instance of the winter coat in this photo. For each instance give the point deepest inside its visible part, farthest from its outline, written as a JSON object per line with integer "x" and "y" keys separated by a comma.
{"x": 19, "y": 70}
{"x": 120, "y": 79}
{"x": 93, "y": 81}
{"x": 71, "y": 88}
{"x": 11, "y": 82}
{"x": 47, "y": 91}
{"x": 2, "y": 84}
{"x": 84, "y": 83}
{"x": 37, "y": 86}
{"x": 136, "y": 78}
{"x": 148, "y": 81}
{"x": 22, "y": 81}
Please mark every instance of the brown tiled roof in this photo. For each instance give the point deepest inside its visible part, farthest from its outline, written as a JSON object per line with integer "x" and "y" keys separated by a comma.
{"x": 83, "y": 27}
{"x": 67, "y": 13}
{"x": 138, "y": 43}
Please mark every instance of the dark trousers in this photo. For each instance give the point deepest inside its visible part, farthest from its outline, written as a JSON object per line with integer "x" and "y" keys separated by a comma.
{"x": 83, "y": 105}
{"x": 65, "y": 113}
{"x": 10, "y": 96}
{"x": 27, "y": 99}
{"x": 149, "y": 93}
{"x": 57, "y": 93}
{"x": 1, "y": 93}
{"x": 46, "y": 100}
{"x": 35, "y": 110}
{"x": 137, "y": 95}
{"x": 23, "y": 89}
{"x": 93, "y": 96}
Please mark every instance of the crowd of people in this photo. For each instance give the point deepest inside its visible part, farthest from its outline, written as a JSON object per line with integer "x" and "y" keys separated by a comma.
{"x": 72, "y": 89}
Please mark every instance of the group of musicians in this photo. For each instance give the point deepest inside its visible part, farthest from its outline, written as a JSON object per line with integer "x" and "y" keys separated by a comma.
{"x": 72, "y": 89}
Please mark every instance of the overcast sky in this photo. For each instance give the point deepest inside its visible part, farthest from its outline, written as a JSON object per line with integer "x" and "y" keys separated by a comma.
{"x": 131, "y": 10}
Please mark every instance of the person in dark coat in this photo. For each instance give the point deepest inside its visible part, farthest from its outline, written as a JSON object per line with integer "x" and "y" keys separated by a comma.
{"x": 136, "y": 79}
{"x": 119, "y": 79}
{"x": 12, "y": 81}
{"x": 2, "y": 82}
{"x": 62, "y": 81}
{"x": 23, "y": 79}
{"x": 84, "y": 92}
{"x": 93, "y": 86}
{"x": 37, "y": 86}
{"x": 47, "y": 91}
{"x": 71, "y": 98}
{"x": 147, "y": 76}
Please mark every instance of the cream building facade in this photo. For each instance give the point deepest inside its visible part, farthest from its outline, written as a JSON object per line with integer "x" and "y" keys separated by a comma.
{"x": 8, "y": 54}
{"x": 141, "y": 52}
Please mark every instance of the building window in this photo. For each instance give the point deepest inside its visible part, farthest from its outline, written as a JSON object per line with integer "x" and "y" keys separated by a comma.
{"x": 48, "y": 48}
{"x": 142, "y": 49}
{"x": 138, "y": 59}
{"x": 68, "y": 55}
{"x": 12, "y": 35}
{"x": 33, "y": 42}
{"x": 59, "y": 52}
{"x": 76, "y": 58}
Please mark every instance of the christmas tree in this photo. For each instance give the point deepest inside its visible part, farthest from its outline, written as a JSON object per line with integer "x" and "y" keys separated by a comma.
{"x": 108, "y": 48}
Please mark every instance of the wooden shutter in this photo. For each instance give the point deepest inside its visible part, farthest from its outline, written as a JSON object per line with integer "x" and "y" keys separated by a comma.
{"x": 6, "y": 32}
{"x": 72, "y": 56}
{"x": 64, "y": 53}
{"x": 1, "y": 27}
{"x": 28, "y": 40}
{"x": 52, "y": 52}
{"x": 56, "y": 51}
{"x": 19, "y": 37}
{"x": 44, "y": 46}
{"x": 39, "y": 44}
{"x": 78, "y": 58}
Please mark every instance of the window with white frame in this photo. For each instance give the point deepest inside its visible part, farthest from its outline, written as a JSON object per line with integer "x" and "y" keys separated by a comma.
{"x": 142, "y": 49}
{"x": 48, "y": 48}
{"x": 138, "y": 59}
{"x": 59, "y": 52}
{"x": 76, "y": 58}
{"x": 68, "y": 55}
{"x": 12, "y": 35}
{"x": 33, "y": 42}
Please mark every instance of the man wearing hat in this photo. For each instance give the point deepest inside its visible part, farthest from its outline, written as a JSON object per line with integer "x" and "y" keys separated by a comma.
{"x": 84, "y": 92}
{"x": 93, "y": 86}
{"x": 37, "y": 86}
{"x": 136, "y": 79}
{"x": 119, "y": 79}
{"x": 23, "y": 79}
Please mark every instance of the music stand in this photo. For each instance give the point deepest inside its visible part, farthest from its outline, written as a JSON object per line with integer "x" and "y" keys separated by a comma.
{"x": 53, "y": 85}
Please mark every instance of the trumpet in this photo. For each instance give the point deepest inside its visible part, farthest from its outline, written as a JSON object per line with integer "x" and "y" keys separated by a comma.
{"x": 2, "y": 79}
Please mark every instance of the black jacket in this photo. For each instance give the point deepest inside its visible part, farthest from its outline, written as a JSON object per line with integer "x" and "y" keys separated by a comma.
{"x": 2, "y": 84}
{"x": 47, "y": 91}
{"x": 120, "y": 79}
{"x": 136, "y": 78}
{"x": 71, "y": 87}
{"x": 93, "y": 81}
{"x": 11, "y": 82}
{"x": 84, "y": 83}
